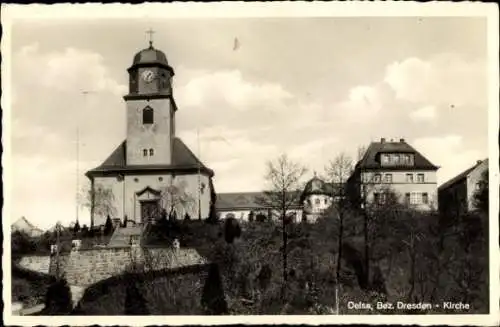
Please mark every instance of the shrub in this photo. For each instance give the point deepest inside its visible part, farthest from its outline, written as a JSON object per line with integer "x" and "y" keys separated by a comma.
{"x": 232, "y": 230}
{"x": 260, "y": 217}
{"x": 58, "y": 299}
{"x": 212, "y": 298}
{"x": 135, "y": 304}
{"x": 108, "y": 227}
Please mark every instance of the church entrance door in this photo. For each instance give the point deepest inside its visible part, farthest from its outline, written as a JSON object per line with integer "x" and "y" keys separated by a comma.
{"x": 150, "y": 210}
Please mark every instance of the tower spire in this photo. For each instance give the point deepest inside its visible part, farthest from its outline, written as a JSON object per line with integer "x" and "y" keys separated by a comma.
{"x": 150, "y": 32}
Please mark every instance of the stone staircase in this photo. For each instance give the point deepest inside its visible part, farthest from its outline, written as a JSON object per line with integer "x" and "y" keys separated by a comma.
{"x": 122, "y": 235}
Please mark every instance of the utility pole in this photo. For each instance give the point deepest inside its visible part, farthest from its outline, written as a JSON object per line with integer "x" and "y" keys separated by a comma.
{"x": 199, "y": 173}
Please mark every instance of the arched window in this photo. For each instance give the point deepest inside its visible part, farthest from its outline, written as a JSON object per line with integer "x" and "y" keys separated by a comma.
{"x": 147, "y": 115}
{"x": 151, "y": 152}
{"x": 145, "y": 152}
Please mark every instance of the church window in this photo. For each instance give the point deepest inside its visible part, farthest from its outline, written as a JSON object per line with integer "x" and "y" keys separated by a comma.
{"x": 147, "y": 115}
{"x": 151, "y": 152}
{"x": 145, "y": 152}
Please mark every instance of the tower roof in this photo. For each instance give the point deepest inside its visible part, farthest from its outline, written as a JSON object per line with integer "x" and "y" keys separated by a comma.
{"x": 316, "y": 186}
{"x": 150, "y": 56}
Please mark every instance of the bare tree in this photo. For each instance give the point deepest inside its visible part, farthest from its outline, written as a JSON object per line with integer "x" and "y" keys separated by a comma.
{"x": 99, "y": 199}
{"x": 176, "y": 198}
{"x": 284, "y": 178}
{"x": 338, "y": 171}
{"x": 361, "y": 152}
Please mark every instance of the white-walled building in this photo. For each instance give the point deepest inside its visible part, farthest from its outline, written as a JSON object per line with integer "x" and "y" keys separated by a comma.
{"x": 310, "y": 203}
{"x": 152, "y": 159}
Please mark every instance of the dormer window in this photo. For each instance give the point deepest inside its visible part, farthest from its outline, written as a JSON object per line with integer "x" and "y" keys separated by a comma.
{"x": 147, "y": 115}
{"x": 396, "y": 159}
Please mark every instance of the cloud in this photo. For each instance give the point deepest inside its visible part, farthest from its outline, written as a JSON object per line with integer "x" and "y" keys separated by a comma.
{"x": 48, "y": 107}
{"x": 232, "y": 155}
{"x": 228, "y": 88}
{"x": 449, "y": 153}
{"x": 427, "y": 113}
{"x": 444, "y": 79}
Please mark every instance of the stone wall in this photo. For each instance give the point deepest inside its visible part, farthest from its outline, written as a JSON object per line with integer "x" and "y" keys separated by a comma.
{"x": 37, "y": 263}
{"x": 86, "y": 267}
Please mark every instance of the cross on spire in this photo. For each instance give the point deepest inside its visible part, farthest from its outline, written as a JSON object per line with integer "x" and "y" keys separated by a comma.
{"x": 150, "y": 32}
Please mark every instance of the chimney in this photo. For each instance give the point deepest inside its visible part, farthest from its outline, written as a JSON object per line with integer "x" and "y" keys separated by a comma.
{"x": 382, "y": 140}
{"x": 402, "y": 140}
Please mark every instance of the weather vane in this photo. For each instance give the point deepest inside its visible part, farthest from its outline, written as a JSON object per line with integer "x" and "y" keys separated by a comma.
{"x": 150, "y": 32}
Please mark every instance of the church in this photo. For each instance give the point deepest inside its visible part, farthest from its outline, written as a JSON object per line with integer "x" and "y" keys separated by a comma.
{"x": 152, "y": 171}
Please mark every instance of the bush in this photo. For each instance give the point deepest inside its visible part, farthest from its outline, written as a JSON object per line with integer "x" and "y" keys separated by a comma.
{"x": 108, "y": 227}
{"x": 212, "y": 299}
{"x": 135, "y": 304}
{"x": 260, "y": 217}
{"x": 232, "y": 230}
{"x": 58, "y": 300}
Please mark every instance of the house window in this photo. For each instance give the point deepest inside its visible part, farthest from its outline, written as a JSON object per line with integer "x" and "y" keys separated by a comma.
{"x": 388, "y": 178}
{"x": 407, "y": 159}
{"x": 385, "y": 158}
{"x": 376, "y": 178}
{"x": 407, "y": 198}
{"x": 145, "y": 152}
{"x": 317, "y": 201}
{"x": 395, "y": 159}
{"x": 147, "y": 115}
{"x": 425, "y": 198}
{"x": 420, "y": 178}
{"x": 478, "y": 186}
{"x": 409, "y": 178}
{"x": 376, "y": 197}
{"x": 326, "y": 201}
{"x": 416, "y": 198}
{"x": 151, "y": 152}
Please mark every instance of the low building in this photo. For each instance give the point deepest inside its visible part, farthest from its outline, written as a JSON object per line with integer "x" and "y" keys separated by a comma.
{"x": 456, "y": 196}
{"x": 394, "y": 168}
{"x": 307, "y": 205}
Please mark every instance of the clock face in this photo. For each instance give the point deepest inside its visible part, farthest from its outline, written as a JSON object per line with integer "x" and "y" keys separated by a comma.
{"x": 148, "y": 76}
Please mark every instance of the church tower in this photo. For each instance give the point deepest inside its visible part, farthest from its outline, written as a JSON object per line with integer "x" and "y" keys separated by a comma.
{"x": 150, "y": 109}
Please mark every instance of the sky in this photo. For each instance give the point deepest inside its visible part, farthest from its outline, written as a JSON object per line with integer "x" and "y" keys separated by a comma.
{"x": 308, "y": 87}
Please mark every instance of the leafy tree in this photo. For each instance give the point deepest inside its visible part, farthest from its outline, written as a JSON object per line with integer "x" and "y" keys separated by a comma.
{"x": 212, "y": 298}
{"x": 58, "y": 300}
{"x": 135, "y": 303}
{"x": 213, "y": 217}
